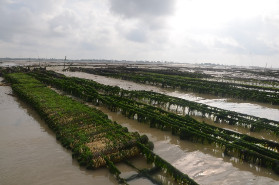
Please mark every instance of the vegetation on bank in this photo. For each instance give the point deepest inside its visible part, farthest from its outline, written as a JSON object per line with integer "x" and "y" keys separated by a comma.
{"x": 190, "y": 83}
{"x": 94, "y": 139}
{"x": 250, "y": 149}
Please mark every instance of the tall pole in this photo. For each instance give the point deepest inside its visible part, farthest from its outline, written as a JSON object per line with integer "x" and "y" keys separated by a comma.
{"x": 65, "y": 61}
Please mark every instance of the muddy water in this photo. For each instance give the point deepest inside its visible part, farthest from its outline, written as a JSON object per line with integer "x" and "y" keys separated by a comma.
{"x": 251, "y": 108}
{"x": 139, "y": 162}
{"x": 256, "y": 109}
{"x": 261, "y": 135}
{"x": 204, "y": 163}
{"x": 30, "y": 154}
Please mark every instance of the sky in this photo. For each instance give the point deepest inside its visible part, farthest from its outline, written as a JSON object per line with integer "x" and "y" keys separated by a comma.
{"x": 233, "y": 32}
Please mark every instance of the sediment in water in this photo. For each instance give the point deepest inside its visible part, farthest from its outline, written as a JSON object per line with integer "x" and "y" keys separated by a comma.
{"x": 94, "y": 140}
{"x": 262, "y": 152}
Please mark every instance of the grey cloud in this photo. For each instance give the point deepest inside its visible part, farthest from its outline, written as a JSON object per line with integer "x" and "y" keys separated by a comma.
{"x": 20, "y": 19}
{"x": 38, "y": 7}
{"x": 149, "y": 16}
{"x": 63, "y": 23}
{"x": 119, "y": 29}
{"x": 88, "y": 46}
{"x": 228, "y": 47}
{"x": 24, "y": 22}
{"x": 251, "y": 36}
{"x": 150, "y": 13}
{"x": 14, "y": 21}
{"x": 137, "y": 35}
{"x": 24, "y": 27}
{"x": 140, "y": 8}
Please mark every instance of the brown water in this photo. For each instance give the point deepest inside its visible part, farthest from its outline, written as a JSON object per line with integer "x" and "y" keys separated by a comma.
{"x": 204, "y": 163}
{"x": 257, "y": 109}
{"x": 30, "y": 154}
{"x": 264, "y": 134}
{"x": 251, "y": 108}
{"x": 261, "y": 135}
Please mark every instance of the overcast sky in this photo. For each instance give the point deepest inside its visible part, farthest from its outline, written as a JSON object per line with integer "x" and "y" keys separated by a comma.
{"x": 240, "y": 32}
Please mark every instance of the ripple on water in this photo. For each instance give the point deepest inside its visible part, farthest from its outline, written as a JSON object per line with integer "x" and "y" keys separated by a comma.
{"x": 250, "y": 108}
{"x": 30, "y": 154}
{"x": 203, "y": 163}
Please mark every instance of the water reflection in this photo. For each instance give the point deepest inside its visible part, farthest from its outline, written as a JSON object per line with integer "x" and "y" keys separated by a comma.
{"x": 204, "y": 163}
{"x": 245, "y": 107}
{"x": 31, "y": 155}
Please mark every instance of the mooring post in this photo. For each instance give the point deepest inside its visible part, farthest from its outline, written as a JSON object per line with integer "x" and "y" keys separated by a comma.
{"x": 65, "y": 61}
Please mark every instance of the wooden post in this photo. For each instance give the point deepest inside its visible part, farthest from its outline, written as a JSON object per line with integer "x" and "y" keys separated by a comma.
{"x": 65, "y": 61}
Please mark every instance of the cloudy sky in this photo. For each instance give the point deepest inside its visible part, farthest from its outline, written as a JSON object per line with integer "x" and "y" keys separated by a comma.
{"x": 241, "y": 32}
